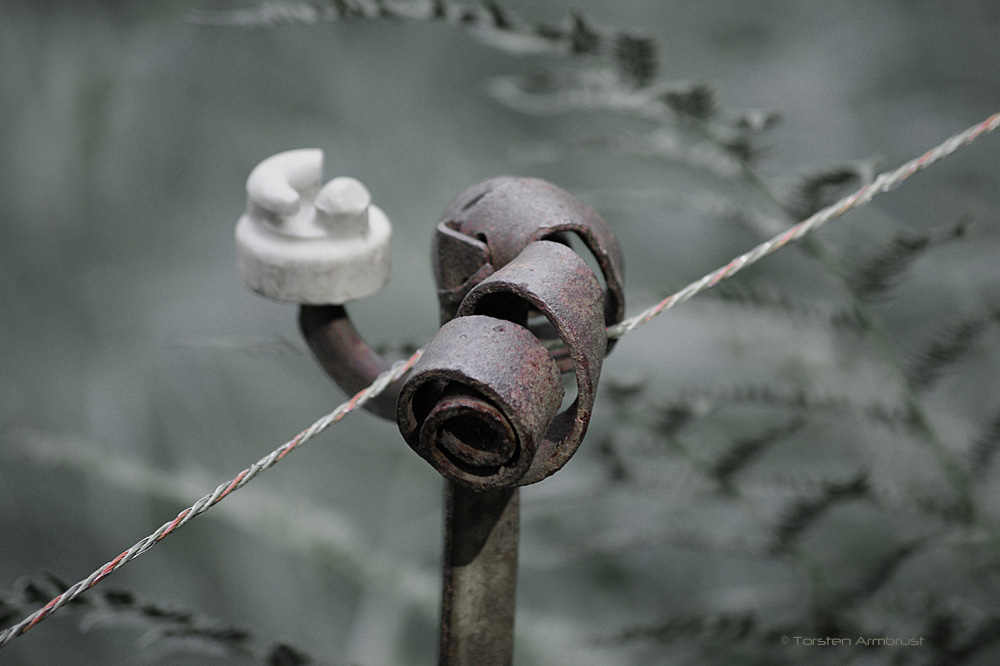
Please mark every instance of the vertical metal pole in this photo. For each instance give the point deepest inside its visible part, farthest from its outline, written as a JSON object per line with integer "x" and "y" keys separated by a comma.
{"x": 480, "y": 576}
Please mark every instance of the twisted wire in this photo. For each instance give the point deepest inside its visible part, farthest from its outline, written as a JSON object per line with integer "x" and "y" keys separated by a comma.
{"x": 883, "y": 183}
{"x": 208, "y": 501}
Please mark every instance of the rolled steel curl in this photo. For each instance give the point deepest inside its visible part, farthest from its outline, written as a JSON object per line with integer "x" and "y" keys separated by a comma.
{"x": 481, "y": 406}
{"x": 518, "y": 308}
{"x": 490, "y": 223}
{"x": 481, "y": 231}
{"x": 481, "y": 403}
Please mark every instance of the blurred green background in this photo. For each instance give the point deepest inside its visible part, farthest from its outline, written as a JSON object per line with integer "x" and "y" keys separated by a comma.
{"x": 137, "y": 372}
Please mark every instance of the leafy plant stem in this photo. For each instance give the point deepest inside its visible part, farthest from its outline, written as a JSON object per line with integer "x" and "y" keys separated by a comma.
{"x": 878, "y": 336}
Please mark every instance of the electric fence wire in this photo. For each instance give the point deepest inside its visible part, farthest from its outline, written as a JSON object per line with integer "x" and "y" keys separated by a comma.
{"x": 883, "y": 183}
{"x": 208, "y": 501}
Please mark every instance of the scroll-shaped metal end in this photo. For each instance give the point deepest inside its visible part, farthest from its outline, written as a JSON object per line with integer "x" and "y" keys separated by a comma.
{"x": 552, "y": 280}
{"x": 490, "y": 223}
{"x": 481, "y": 404}
{"x": 302, "y": 243}
{"x": 479, "y": 401}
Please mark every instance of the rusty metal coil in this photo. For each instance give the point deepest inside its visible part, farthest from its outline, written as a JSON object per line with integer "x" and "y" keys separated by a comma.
{"x": 479, "y": 401}
{"x": 481, "y": 404}
{"x": 490, "y": 223}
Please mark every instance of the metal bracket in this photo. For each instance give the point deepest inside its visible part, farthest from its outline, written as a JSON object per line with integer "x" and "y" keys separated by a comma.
{"x": 519, "y": 307}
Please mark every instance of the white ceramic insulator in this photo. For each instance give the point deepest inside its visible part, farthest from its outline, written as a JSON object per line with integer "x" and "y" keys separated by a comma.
{"x": 305, "y": 244}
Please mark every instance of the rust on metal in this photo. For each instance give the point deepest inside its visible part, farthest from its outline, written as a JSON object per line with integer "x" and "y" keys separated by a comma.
{"x": 480, "y": 576}
{"x": 553, "y": 280}
{"x": 482, "y": 405}
{"x": 488, "y": 224}
{"x": 481, "y": 231}
{"x": 351, "y": 363}
{"x": 479, "y": 401}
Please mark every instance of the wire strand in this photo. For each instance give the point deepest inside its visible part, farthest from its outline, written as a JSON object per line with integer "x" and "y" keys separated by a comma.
{"x": 208, "y": 501}
{"x": 883, "y": 183}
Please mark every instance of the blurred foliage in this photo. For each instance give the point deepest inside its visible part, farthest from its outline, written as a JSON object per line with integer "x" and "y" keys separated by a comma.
{"x": 807, "y": 451}
{"x": 166, "y": 631}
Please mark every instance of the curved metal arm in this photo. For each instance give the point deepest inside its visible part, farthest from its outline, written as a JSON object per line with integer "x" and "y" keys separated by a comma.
{"x": 351, "y": 363}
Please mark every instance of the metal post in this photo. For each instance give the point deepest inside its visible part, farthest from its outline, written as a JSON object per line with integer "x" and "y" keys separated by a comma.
{"x": 482, "y": 405}
{"x": 480, "y": 576}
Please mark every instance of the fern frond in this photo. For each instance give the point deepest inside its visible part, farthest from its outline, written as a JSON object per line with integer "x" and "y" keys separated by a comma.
{"x": 878, "y": 576}
{"x": 731, "y": 627}
{"x": 954, "y": 642}
{"x": 742, "y": 146}
{"x": 631, "y": 87}
{"x": 870, "y": 280}
{"x": 665, "y": 418}
{"x": 746, "y": 547}
{"x": 941, "y": 631}
{"x": 818, "y": 189}
{"x": 285, "y": 655}
{"x": 945, "y": 350}
{"x": 163, "y": 627}
{"x": 804, "y": 399}
{"x": 597, "y": 89}
{"x": 623, "y": 391}
{"x": 875, "y": 277}
{"x": 696, "y": 101}
{"x": 671, "y": 418}
{"x": 778, "y": 301}
{"x": 744, "y": 450}
{"x": 487, "y": 21}
{"x": 753, "y": 120}
{"x": 806, "y": 511}
{"x": 666, "y": 143}
{"x": 636, "y": 57}
{"x": 985, "y": 634}
{"x": 664, "y": 102}
{"x": 984, "y": 448}
{"x": 584, "y": 38}
{"x": 953, "y": 511}
{"x": 613, "y": 461}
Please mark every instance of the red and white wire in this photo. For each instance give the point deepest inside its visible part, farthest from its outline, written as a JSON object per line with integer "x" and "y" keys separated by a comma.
{"x": 208, "y": 501}
{"x": 883, "y": 183}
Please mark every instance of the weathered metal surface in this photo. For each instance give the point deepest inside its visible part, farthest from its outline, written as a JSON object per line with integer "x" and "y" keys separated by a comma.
{"x": 481, "y": 404}
{"x": 518, "y": 307}
{"x": 488, "y": 224}
{"x": 481, "y": 231}
{"x": 554, "y": 281}
{"x": 351, "y": 363}
{"x": 479, "y": 401}
{"x": 480, "y": 576}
